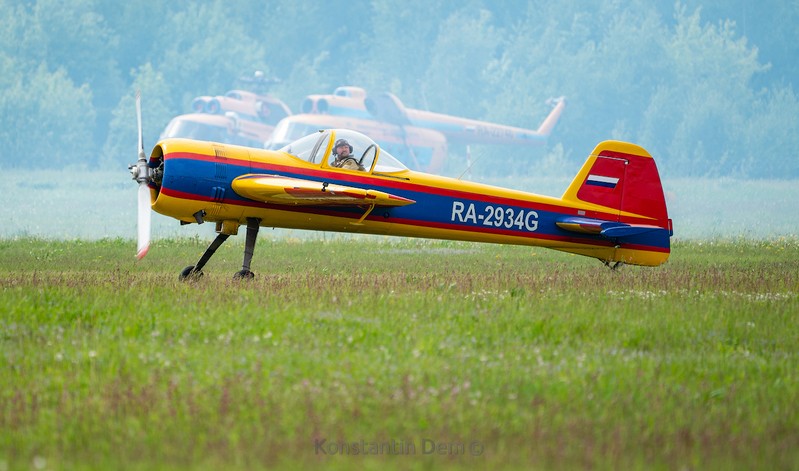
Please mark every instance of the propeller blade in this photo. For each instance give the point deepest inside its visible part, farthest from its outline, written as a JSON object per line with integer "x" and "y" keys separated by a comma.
{"x": 144, "y": 221}
{"x": 138, "y": 120}
{"x": 141, "y": 173}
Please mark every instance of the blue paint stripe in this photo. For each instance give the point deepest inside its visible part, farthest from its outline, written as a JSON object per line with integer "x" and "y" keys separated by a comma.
{"x": 602, "y": 184}
{"x": 599, "y": 180}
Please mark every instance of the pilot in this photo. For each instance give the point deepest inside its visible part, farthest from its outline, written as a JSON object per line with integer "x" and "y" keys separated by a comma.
{"x": 342, "y": 151}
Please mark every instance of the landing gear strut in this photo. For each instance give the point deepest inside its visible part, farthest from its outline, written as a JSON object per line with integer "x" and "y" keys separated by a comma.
{"x": 613, "y": 266}
{"x": 195, "y": 271}
{"x": 249, "y": 247}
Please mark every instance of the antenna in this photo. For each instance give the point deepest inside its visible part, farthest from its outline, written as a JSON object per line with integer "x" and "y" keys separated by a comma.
{"x": 468, "y": 170}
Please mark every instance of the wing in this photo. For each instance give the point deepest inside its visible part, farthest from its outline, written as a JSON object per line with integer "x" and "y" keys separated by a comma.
{"x": 296, "y": 191}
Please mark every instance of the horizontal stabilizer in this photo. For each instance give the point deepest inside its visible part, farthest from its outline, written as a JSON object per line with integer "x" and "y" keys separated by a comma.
{"x": 609, "y": 229}
{"x": 296, "y": 191}
{"x": 584, "y": 225}
{"x": 626, "y": 230}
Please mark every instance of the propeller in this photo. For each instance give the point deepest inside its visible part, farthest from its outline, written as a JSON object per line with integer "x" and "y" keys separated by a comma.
{"x": 143, "y": 222}
{"x": 141, "y": 173}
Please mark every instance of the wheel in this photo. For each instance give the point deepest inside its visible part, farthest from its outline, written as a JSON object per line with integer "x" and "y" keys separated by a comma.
{"x": 243, "y": 275}
{"x": 189, "y": 273}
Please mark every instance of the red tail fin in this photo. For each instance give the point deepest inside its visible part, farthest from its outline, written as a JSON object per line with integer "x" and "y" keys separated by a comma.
{"x": 624, "y": 179}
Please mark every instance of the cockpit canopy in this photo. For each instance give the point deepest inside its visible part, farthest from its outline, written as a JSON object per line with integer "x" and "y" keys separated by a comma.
{"x": 317, "y": 148}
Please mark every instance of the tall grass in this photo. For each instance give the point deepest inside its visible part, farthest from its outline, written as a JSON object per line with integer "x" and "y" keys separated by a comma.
{"x": 505, "y": 357}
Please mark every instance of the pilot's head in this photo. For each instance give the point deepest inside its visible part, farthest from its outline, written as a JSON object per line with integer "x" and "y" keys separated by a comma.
{"x": 342, "y": 148}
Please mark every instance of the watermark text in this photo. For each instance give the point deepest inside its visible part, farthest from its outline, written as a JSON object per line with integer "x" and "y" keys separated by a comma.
{"x": 392, "y": 447}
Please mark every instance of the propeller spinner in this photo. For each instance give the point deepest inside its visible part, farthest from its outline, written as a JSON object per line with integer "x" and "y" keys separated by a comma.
{"x": 141, "y": 173}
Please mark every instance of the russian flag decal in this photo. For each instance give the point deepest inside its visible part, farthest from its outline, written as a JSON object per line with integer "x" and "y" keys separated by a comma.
{"x": 599, "y": 180}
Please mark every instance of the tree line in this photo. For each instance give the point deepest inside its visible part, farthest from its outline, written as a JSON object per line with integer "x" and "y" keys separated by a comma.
{"x": 707, "y": 87}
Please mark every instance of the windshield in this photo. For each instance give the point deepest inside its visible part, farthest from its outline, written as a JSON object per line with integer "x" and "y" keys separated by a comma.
{"x": 349, "y": 144}
{"x": 288, "y": 131}
{"x": 310, "y": 148}
{"x": 388, "y": 163}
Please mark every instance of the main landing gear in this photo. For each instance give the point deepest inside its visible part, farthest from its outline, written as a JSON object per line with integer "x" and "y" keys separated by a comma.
{"x": 193, "y": 272}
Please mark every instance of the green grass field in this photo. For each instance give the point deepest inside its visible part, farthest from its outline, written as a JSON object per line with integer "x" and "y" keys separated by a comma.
{"x": 378, "y": 353}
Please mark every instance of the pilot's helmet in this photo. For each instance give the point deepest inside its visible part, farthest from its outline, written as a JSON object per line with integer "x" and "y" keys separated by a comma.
{"x": 339, "y": 143}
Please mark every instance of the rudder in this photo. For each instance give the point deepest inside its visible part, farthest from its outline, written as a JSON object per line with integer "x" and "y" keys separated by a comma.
{"x": 623, "y": 177}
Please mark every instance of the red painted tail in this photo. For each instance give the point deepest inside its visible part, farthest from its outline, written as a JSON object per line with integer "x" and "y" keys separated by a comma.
{"x": 621, "y": 179}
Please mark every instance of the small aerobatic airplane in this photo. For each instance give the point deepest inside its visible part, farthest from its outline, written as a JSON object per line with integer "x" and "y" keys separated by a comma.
{"x": 340, "y": 180}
